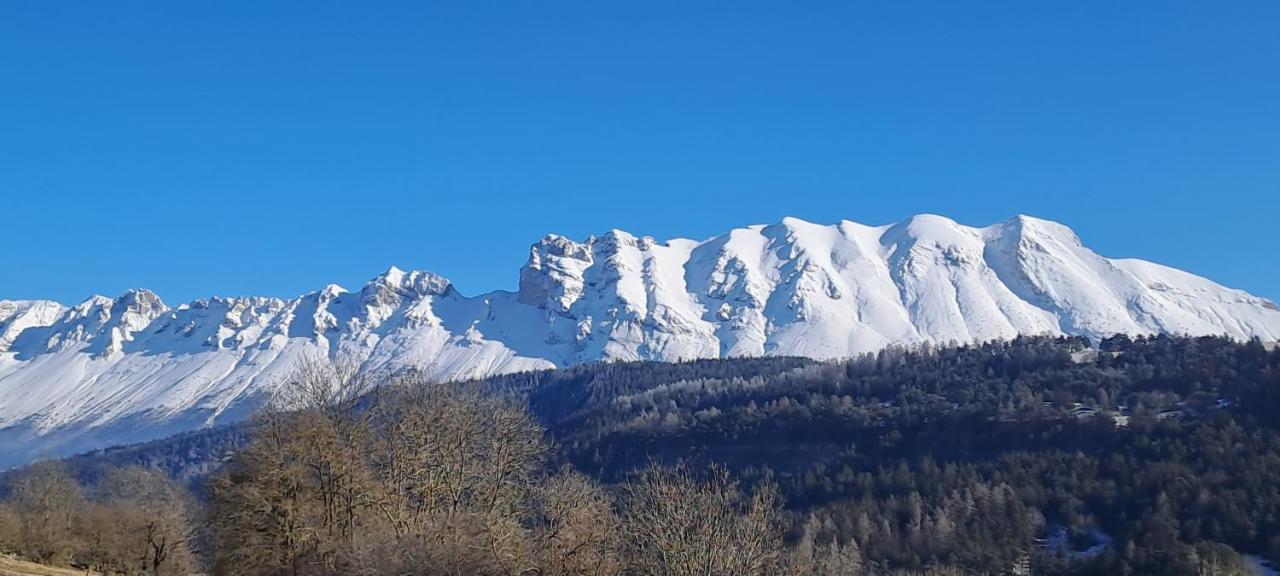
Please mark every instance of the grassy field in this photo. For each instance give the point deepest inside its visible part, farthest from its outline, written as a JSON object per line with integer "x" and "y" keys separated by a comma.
{"x": 12, "y": 567}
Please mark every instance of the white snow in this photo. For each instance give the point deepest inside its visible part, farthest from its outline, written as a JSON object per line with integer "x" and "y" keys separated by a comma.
{"x": 131, "y": 368}
{"x": 1259, "y": 565}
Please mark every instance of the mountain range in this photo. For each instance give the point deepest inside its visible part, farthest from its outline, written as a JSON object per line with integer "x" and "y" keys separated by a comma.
{"x": 132, "y": 368}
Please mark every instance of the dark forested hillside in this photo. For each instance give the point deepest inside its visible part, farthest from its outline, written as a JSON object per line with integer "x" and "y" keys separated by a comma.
{"x": 187, "y": 457}
{"x": 1139, "y": 456}
{"x": 969, "y": 455}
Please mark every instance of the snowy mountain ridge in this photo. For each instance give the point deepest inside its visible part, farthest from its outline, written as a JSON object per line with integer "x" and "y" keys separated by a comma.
{"x": 132, "y": 368}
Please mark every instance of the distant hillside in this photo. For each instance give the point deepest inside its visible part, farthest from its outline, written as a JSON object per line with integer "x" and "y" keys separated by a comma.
{"x": 133, "y": 368}
{"x": 1097, "y": 458}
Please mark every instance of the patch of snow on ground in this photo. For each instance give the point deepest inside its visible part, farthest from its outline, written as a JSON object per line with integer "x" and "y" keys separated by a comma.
{"x": 1060, "y": 542}
{"x": 1260, "y": 565}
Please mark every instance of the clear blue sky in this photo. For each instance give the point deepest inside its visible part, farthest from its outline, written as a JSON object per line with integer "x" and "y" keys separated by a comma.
{"x": 231, "y": 148}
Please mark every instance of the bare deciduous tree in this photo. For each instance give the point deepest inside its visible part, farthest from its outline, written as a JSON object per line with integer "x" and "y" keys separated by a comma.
{"x": 679, "y": 525}
{"x": 292, "y": 500}
{"x": 817, "y": 554}
{"x": 458, "y": 469}
{"x": 9, "y": 528}
{"x": 578, "y": 531}
{"x": 412, "y": 478}
{"x": 153, "y": 522}
{"x": 46, "y": 497}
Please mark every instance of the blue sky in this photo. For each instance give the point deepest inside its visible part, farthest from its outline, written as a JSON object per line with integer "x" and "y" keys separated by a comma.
{"x": 230, "y": 148}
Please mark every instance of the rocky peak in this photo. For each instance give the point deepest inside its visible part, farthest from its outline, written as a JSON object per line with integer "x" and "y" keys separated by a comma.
{"x": 553, "y": 276}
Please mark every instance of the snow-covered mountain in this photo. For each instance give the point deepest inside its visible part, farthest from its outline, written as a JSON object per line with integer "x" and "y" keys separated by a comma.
{"x": 133, "y": 368}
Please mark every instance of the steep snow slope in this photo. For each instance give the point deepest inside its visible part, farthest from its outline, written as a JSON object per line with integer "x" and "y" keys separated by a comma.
{"x": 131, "y": 368}
{"x": 16, "y": 316}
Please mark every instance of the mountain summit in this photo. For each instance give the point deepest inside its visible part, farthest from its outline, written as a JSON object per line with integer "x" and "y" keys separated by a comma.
{"x": 131, "y": 368}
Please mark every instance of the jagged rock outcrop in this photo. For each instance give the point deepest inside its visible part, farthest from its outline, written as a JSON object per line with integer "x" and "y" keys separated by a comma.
{"x": 131, "y": 368}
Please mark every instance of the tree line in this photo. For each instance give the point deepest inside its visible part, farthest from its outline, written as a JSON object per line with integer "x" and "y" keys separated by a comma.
{"x": 339, "y": 476}
{"x": 973, "y": 456}
{"x": 1039, "y": 455}
{"x": 134, "y": 521}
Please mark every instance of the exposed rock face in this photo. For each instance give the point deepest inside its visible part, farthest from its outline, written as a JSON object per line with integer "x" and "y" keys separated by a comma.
{"x": 131, "y": 368}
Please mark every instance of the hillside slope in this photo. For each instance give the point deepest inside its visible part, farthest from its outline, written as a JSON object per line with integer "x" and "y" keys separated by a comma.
{"x": 126, "y": 369}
